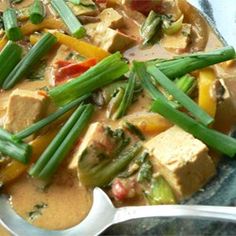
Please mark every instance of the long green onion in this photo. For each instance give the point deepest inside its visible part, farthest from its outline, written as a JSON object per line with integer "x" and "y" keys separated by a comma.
{"x": 180, "y": 66}
{"x": 44, "y": 122}
{"x": 67, "y": 144}
{"x": 145, "y": 78}
{"x": 180, "y": 96}
{"x": 19, "y": 151}
{"x": 127, "y": 98}
{"x": 186, "y": 83}
{"x": 9, "y": 57}
{"x": 51, "y": 158}
{"x": 31, "y": 58}
{"x": 214, "y": 139}
{"x": 75, "y": 27}
{"x": 104, "y": 73}
{"x": 13, "y": 32}
{"x": 37, "y": 12}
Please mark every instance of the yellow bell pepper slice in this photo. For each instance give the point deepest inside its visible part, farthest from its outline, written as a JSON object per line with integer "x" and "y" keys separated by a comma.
{"x": 83, "y": 48}
{"x": 3, "y": 42}
{"x": 14, "y": 169}
{"x": 205, "y": 100}
{"x": 48, "y": 23}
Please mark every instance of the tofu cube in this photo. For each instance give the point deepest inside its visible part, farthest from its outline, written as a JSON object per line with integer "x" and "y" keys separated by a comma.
{"x": 178, "y": 42}
{"x": 182, "y": 160}
{"x": 97, "y": 137}
{"x": 108, "y": 39}
{"x": 111, "y": 18}
{"x": 24, "y": 108}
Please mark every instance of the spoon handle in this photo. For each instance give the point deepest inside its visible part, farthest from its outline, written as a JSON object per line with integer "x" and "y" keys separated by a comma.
{"x": 178, "y": 211}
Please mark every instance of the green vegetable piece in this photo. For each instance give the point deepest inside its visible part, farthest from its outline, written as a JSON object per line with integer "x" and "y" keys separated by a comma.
{"x": 75, "y": 27}
{"x": 170, "y": 27}
{"x": 12, "y": 30}
{"x": 214, "y": 139}
{"x": 32, "y": 57}
{"x": 183, "y": 65}
{"x": 186, "y": 83}
{"x": 134, "y": 130}
{"x": 37, "y": 12}
{"x": 180, "y": 96}
{"x": 76, "y": 2}
{"x": 150, "y": 27}
{"x": 103, "y": 73}
{"x": 102, "y": 173}
{"x": 9, "y": 57}
{"x": 46, "y": 121}
{"x": 160, "y": 193}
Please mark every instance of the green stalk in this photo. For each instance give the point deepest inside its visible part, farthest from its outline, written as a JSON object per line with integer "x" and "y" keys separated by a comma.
{"x": 150, "y": 26}
{"x": 180, "y": 96}
{"x": 32, "y": 57}
{"x": 104, "y": 73}
{"x": 180, "y": 66}
{"x": 37, "y": 12}
{"x": 67, "y": 143}
{"x": 146, "y": 81}
{"x": 127, "y": 98}
{"x": 46, "y": 121}
{"x": 186, "y": 83}
{"x": 9, "y": 57}
{"x": 214, "y": 139}
{"x": 75, "y": 27}
{"x": 106, "y": 170}
{"x": 12, "y": 30}
{"x": 55, "y": 144}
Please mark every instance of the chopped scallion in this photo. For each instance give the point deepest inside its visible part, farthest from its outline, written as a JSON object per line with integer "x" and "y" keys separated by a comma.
{"x": 37, "y": 12}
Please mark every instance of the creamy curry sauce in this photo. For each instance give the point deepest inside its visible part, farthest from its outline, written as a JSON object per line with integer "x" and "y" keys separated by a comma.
{"x": 65, "y": 202}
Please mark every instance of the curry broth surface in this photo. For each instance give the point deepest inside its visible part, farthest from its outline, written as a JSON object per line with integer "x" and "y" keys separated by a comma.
{"x": 67, "y": 201}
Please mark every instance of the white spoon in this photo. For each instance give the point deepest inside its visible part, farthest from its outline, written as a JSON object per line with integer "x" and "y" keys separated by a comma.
{"x": 103, "y": 214}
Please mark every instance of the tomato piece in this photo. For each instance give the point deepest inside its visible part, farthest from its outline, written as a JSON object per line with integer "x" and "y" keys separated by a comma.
{"x": 119, "y": 191}
{"x": 72, "y": 70}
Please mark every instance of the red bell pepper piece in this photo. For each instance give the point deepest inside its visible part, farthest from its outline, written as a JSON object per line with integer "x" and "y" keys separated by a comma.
{"x": 67, "y": 70}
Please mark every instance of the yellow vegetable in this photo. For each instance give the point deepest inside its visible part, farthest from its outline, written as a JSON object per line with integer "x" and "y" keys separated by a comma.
{"x": 3, "y": 42}
{"x": 48, "y": 23}
{"x": 205, "y": 100}
{"x": 148, "y": 123}
{"x": 83, "y": 48}
{"x": 14, "y": 169}
{"x": 34, "y": 38}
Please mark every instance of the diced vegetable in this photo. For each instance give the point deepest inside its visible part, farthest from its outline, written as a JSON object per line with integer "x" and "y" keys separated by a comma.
{"x": 160, "y": 193}
{"x": 182, "y": 65}
{"x": 19, "y": 151}
{"x": 148, "y": 123}
{"x": 102, "y": 173}
{"x": 205, "y": 99}
{"x": 151, "y": 26}
{"x": 46, "y": 121}
{"x": 83, "y": 48}
{"x": 47, "y": 23}
{"x": 47, "y": 164}
{"x": 212, "y": 138}
{"x": 37, "y": 12}
{"x": 69, "y": 18}
{"x": 180, "y": 96}
{"x": 105, "y": 72}
{"x": 9, "y": 57}
{"x": 126, "y": 99}
{"x": 170, "y": 28}
{"x": 13, "y": 32}
{"x": 73, "y": 70}
{"x": 119, "y": 190}
{"x": 31, "y": 58}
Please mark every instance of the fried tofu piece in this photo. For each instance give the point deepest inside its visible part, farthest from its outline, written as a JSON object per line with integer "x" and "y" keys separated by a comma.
{"x": 95, "y": 137}
{"x": 24, "y": 108}
{"x": 178, "y": 42}
{"x": 111, "y": 18}
{"x": 108, "y": 39}
{"x": 182, "y": 160}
